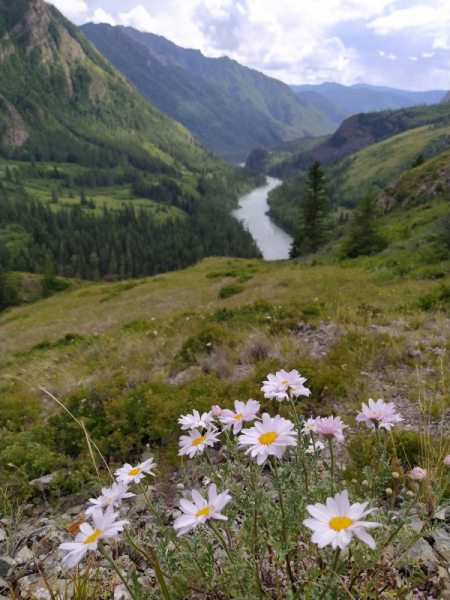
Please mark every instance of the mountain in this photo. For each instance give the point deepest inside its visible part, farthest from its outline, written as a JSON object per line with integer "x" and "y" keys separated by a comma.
{"x": 361, "y": 97}
{"x": 291, "y": 115}
{"x": 95, "y": 179}
{"x": 354, "y": 134}
{"x": 334, "y": 112}
{"x": 446, "y": 98}
{"x": 229, "y": 128}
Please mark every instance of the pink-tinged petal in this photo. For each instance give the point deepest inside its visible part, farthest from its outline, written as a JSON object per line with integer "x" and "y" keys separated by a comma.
{"x": 198, "y": 498}
{"x": 188, "y": 507}
{"x": 73, "y": 558}
{"x": 319, "y": 512}
{"x": 323, "y": 538}
{"x": 344, "y": 537}
{"x": 315, "y": 525}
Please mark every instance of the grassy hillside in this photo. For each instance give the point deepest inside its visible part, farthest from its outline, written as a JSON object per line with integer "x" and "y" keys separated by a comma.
{"x": 349, "y": 178}
{"x": 293, "y": 116}
{"x": 212, "y": 114}
{"x": 123, "y": 356}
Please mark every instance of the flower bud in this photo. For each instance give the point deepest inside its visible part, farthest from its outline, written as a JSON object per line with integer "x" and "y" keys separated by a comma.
{"x": 388, "y": 492}
{"x": 395, "y": 475}
{"x": 410, "y": 494}
{"x": 447, "y": 460}
{"x": 418, "y": 474}
{"x": 216, "y": 410}
{"x": 354, "y": 481}
{"x": 365, "y": 483}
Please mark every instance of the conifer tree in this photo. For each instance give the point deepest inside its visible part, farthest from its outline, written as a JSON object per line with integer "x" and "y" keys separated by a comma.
{"x": 363, "y": 237}
{"x": 54, "y": 199}
{"x": 310, "y": 233}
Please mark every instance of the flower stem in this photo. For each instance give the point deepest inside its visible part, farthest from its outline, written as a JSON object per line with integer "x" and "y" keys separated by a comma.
{"x": 283, "y": 521}
{"x": 335, "y": 563}
{"x": 220, "y": 537}
{"x": 330, "y": 441}
{"x": 112, "y": 562}
{"x": 153, "y": 559}
{"x": 315, "y": 456}
{"x": 150, "y": 505}
{"x": 255, "y": 533}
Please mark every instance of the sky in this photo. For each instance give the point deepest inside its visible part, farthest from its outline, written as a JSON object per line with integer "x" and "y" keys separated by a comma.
{"x": 403, "y": 44}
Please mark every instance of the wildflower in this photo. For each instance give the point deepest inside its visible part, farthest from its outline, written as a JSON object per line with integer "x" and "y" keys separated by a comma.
{"x": 278, "y": 385}
{"x": 395, "y": 475}
{"x": 129, "y": 474}
{"x": 201, "y": 510}
{"x": 331, "y": 426}
{"x": 270, "y": 437}
{"x": 113, "y": 495}
{"x": 195, "y": 421}
{"x": 410, "y": 494}
{"x": 196, "y": 442}
{"x": 447, "y": 460}
{"x": 310, "y": 426}
{"x": 216, "y": 411}
{"x": 418, "y": 474}
{"x": 379, "y": 412}
{"x": 244, "y": 412}
{"x": 365, "y": 483}
{"x": 388, "y": 492}
{"x": 318, "y": 446}
{"x": 87, "y": 538}
{"x": 354, "y": 481}
{"x": 337, "y": 521}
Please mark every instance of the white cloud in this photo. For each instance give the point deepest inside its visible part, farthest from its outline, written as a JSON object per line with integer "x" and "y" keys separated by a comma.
{"x": 412, "y": 57}
{"x": 101, "y": 16}
{"x": 381, "y": 52}
{"x": 72, "y": 9}
{"x": 391, "y": 57}
{"x": 427, "y": 54}
{"x": 442, "y": 43}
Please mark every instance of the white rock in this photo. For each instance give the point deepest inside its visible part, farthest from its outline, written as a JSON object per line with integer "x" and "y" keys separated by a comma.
{"x": 3, "y": 535}
{"x": 121, "y": 592}
{"x": 23, "y": 556}
{"x": 44, "y": 481}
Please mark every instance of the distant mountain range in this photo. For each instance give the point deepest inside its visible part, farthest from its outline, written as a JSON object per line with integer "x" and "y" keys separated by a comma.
{"x": 361, "y": 97}
{"x": 230, "y": 108}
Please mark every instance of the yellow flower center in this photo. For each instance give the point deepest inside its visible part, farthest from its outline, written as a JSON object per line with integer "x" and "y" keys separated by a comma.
{"x": 203, "y": 513}
{"x": 284, "y": 382}
{"x": 339, "y": 523}
{"x": 135, "y": 471}
{"x": 93, "y": 537}
{"x": 292, "y": 388}
{"x": 110, "y": 500}
{"x": 239, "y": 416}
{"x": 199, "y": 440}
{"x": 268, "y": 438}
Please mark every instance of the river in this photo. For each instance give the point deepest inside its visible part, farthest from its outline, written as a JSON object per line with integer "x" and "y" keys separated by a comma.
{"x": 273, "y": 242}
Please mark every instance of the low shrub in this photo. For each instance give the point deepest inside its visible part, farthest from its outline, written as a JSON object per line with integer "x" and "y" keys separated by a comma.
{"x": 230, "y": 290}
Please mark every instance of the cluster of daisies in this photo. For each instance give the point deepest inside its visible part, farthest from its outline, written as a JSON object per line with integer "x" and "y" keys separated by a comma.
{"x": 105, "y": 525}
{"x": 333, "y": 523}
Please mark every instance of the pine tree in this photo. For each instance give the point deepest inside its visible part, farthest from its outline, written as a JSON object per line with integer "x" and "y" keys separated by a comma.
{"x": 363, "y": 237}
{"x": 83, "y": 200}
{"x": 54, "y": 199}
{"x": 310, "y": 233}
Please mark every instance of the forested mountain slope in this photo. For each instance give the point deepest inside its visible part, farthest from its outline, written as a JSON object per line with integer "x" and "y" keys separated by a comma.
{"x": 96, "y": 180}
{"x": 348, "y": 179}
{"x": 229, "y": 128}
{"x": 293, "y": 116}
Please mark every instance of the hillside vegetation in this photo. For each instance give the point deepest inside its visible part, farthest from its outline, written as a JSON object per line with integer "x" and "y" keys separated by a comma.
{"x": 349, "y": 178}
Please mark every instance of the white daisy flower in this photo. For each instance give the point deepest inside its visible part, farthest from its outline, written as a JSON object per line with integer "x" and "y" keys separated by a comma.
{"x": 87, "y": 538}
{"x": 270, "y": 437}
{"x": 245, "y": 411}
{"x": 279, "y": 384}
{"x": 201, "y": 510}
{"x": 129, "y": 474}
{"x": 196, "y": 442}
{"x": 318, "y": 445}
{"x": 113, "y": 495}
{"x": 310, "y": 426}
{"x": 336, "y": 522}
{"x": 195, "y": 421}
